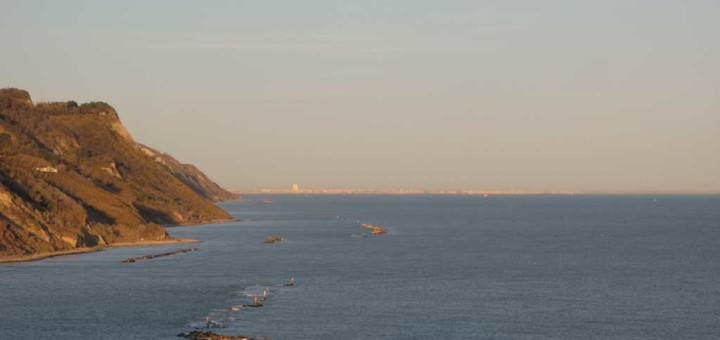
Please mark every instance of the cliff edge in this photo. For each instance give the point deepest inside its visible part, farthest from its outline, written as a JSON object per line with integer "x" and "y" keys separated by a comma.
{"x": 71, "y": 177}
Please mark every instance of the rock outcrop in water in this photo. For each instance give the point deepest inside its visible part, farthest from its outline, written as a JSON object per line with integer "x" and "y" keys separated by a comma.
{"x": 199, "y": 335}
{"x": 376, "y": 229}
{"x": 72, "y": 177}
{"x": 272, "y": 239}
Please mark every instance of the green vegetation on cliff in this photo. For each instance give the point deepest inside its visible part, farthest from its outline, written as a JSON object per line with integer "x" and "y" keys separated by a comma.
{"x": 71, "y": 176}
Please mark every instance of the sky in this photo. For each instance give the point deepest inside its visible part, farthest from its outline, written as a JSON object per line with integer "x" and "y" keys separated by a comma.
{"x": 590, "y": 96}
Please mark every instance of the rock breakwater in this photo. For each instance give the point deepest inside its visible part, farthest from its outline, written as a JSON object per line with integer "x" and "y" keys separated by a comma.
{"x": 150, "y": 257}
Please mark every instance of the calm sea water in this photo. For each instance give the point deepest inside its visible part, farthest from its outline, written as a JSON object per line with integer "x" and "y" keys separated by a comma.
{"x": 526, "y": 267}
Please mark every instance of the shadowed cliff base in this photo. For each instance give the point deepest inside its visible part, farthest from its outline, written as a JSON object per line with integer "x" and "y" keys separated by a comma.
{"x": 72, "y": 178}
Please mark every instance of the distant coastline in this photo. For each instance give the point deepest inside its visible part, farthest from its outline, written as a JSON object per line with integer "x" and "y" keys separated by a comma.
{"x": 394, "y": 192}
{"x": 462, "y": 192}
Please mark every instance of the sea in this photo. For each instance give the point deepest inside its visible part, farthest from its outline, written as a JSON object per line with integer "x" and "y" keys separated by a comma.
{"x": 450, "y": 267}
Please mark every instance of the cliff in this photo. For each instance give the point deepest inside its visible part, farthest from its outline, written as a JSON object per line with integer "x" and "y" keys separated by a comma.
{"x": 71, "y": 176}
{"x": 191, "y": 176}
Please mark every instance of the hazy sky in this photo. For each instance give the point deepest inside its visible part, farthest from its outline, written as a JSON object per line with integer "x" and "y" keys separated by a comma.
{"x": 603, "y": 95}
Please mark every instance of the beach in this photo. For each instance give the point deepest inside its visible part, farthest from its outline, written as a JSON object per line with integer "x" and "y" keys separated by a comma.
{"x": 36, "y": 257}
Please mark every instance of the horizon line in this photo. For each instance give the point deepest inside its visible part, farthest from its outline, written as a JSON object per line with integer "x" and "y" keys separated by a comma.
{"x": 467, "y": 192}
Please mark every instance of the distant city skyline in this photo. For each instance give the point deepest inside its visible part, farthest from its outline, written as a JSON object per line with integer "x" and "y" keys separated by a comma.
{"x": 608, "y": 96}
{"x": 296, "y": 189}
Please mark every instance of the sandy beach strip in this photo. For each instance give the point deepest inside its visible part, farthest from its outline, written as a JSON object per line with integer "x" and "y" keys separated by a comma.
{"x": 153, "y": 243}
{"x": 36, "y": 257}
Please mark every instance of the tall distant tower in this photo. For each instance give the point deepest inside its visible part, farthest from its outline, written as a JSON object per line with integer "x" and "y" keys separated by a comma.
{"x": 296, "y": 188}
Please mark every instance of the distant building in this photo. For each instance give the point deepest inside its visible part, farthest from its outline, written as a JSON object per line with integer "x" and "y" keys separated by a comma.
{"x": 295, "y": 188}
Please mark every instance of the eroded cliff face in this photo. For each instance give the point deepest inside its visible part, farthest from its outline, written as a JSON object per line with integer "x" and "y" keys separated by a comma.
{"x": 71, "y": 176}
{"x": 191, "y": 176}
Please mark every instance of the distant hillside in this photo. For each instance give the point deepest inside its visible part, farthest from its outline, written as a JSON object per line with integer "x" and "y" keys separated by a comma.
{"x": 71, "y": 176}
